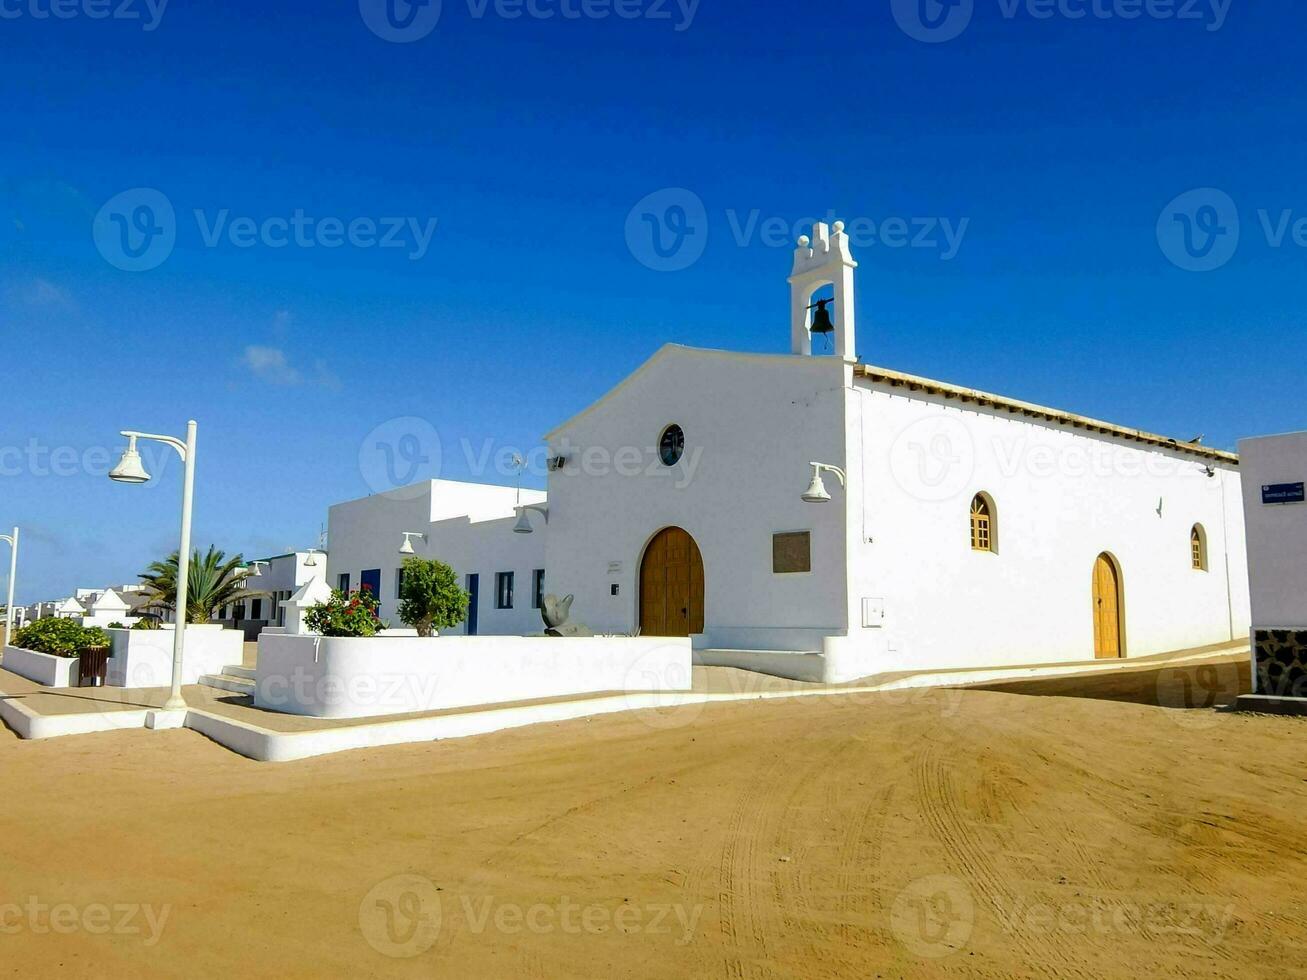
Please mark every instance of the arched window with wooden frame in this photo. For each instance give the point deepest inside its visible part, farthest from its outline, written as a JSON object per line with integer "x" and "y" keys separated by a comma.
{"x": 1198, "y": 548}
{"x": 984, "y": 523}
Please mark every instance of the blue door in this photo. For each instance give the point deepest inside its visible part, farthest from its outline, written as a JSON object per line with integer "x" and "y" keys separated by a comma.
{"x": 370, "y": 579}
{"x": 474, "y": 591}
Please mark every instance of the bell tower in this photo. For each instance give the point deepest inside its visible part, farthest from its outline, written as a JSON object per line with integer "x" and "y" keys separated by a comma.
{"x": 823, "y": 260}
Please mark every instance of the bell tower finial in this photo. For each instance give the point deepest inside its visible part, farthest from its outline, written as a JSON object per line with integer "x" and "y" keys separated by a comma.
{"x": 821, "y": 261}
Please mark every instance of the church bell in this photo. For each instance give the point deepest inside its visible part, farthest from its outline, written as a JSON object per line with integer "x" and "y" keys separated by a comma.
{"x": 821, "y": 322}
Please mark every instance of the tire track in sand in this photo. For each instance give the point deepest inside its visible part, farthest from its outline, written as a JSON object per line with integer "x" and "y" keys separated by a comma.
{"x": 940, "y": 808}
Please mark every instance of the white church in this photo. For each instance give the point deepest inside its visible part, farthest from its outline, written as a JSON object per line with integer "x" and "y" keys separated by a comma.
{"x": 814, "y": 517}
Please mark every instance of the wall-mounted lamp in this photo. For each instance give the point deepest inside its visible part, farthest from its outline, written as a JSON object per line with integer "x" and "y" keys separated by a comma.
{"x": 523, "y": 525}
{"x": 816, "y": 492}
{"x": 407, "y": 547}
{"x": 311, "y": 558}
{"x": 254, "y": 571}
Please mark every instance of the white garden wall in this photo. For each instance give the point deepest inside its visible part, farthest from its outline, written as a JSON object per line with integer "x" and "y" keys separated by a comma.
{"x": 143, "y": 658}
{"x": 347, "y": 677}
{"x": 43, "y": 668}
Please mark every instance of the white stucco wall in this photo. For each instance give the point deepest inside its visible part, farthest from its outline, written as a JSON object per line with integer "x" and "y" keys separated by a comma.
{"x": 469, "y": 527}
{"x": 1062, "y": 497}
{"x": 1277, "y": 533}
{"x": 752, "y": 423}
{"x": 345, "y": 677}
{"x": 143, "y": 658}
{"x": 43, "y": 668}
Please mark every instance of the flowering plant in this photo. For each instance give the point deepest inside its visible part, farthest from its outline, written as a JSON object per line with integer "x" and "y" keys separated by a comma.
{"x": 346, "y": 614}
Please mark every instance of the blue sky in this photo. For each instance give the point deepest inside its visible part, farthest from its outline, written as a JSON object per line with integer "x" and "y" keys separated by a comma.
{"x": 1052, "y": 145}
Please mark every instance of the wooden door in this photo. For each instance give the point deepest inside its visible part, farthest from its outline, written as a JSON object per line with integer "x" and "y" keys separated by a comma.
{"x": 1107, "y": 609}
{"x": 671, "y": 585}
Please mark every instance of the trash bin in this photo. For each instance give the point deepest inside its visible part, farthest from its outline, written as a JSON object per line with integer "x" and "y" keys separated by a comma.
{"x": 92, "y": 667}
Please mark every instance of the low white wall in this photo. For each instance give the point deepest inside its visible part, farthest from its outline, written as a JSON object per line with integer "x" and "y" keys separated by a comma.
{"x": 44, "y": 668}
{"x": 839, "y": 661}
{"x": 346, "y": 677}
{"x": 143, "y": 658}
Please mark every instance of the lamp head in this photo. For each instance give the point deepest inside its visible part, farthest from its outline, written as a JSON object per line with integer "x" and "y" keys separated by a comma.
{"x": 407, "y": 547}
{"x": 816, "y": 492}
{"x": 523, "y": 525}
{"x": 311, "y": 560}
{"x": 130, "y": 468}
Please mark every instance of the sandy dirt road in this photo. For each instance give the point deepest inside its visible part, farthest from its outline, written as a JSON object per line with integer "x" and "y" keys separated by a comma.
{"x": 976, "y": 833}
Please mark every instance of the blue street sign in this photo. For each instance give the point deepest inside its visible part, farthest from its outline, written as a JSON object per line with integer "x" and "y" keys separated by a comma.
{"x": 1283, "y": 493}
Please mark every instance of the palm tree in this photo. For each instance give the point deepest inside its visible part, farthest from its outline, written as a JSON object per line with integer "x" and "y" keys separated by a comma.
{"x": 213, "y": 581}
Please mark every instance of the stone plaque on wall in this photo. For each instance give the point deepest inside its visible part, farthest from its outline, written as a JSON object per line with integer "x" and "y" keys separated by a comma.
{"x": 791, "y": 551}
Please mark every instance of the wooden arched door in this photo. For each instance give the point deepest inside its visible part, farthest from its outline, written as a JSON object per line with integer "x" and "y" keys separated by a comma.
{"x": 1108, "y": 633}
{"x": 671, "y": 585}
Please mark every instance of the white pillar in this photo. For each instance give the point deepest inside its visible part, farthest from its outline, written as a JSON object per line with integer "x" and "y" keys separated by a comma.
{"x": 175, "y": 700}
{"x": 13, "y": 573}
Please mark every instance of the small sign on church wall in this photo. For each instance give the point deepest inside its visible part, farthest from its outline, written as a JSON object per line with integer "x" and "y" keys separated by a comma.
{"x": 1283, "y": 493}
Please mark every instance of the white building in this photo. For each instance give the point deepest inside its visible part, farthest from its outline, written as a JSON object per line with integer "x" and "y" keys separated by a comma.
{"x": 270, "y": 583}
{"x": 468, "y": 526}
{"x": 972, "y": 529}
{"x": 1275, "y": 511}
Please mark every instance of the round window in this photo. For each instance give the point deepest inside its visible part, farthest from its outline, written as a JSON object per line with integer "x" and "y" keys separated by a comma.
{"x": 671, "y": 445}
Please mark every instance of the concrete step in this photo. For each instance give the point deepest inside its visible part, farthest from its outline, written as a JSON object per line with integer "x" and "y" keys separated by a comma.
{"x": 236, "y": 670}
{"x": 227, "y": 682}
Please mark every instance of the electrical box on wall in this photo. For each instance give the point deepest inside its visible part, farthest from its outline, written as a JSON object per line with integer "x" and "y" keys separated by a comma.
{"x": 873, "y": 612}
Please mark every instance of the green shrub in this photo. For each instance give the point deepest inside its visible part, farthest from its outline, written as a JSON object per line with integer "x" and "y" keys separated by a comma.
{"x": 115, "y": 625}
{"x": 346, "y": 614}
{"x": 147, "y": 623}
{"x": 430, "y": 596}
{"x": 60, "y": 637}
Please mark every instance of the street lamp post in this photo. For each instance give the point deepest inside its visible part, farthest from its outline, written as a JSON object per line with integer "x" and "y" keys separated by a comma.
{"x": 13, "y": 572}
{"x": 130, "y": 470}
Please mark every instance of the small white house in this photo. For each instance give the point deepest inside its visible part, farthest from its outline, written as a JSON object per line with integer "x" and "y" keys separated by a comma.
{"x": 812, "y": 515}
{"x": 107, "y": 607}
{"x": 271, "y": 582}
{"x": 70, "y": 608}
{"x": 1275, "y": 511}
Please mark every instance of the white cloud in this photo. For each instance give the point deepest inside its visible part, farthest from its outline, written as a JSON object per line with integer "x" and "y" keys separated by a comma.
{"x": 43, "y": 294}
{"x": 271, "y": 364}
